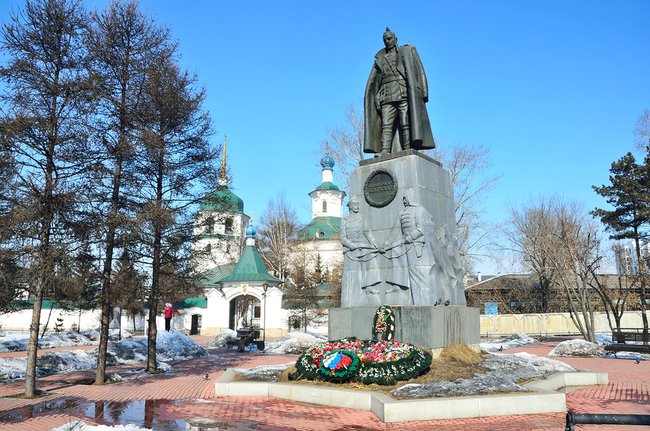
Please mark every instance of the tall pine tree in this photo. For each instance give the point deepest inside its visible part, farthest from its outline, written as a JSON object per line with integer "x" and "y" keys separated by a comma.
{"x": 174, "y": 160}
{"x": 47, "y": 106}
{"x": 122, "y": 42}
{"x": 629, "y": 195}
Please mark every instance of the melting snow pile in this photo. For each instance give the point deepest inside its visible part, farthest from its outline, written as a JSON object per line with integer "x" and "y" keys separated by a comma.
{"x": 577, "y": 348}
{"x": 504, "y": 373}
{"x": 14, "y": 341}
{"x": 171, "y": 346}
{"x": 65, "y": 362}
{"x": 222, "y": 339}
{"x": 295, "y": 343}
{"x": 78, "y": 425}
{"x": 510, "y": 342}
{"x": 174, "y": 346}
{"x": 264, "y": 373}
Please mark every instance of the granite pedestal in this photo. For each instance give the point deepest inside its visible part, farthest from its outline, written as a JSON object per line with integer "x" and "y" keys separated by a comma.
{"x": 427, "y": 326}
{"x": 400, "y": 197}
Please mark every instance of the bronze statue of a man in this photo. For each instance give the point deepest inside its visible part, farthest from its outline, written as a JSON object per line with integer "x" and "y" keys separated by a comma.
{"x": 395, "y": 99}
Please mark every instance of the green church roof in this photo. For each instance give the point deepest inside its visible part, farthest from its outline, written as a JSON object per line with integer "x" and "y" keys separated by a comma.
{"x": 198, "y": 301}
{"x": 321, "y": 228}
{"x": 250, "y": 267}
{"x": 327, "y": 186}
{"x": 210, "y": 277}
{"x": 224, "y": 200}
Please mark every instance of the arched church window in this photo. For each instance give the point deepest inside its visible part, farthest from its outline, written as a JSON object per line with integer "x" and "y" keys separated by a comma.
{"x": 324, "y": 206}
{"x": 229, "y": 223}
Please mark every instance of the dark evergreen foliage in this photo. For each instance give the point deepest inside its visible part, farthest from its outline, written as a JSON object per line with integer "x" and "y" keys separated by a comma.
{"x": 629, "y": 195}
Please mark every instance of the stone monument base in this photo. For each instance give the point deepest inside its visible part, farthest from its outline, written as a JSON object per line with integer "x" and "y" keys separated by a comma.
{"x": 425, "y": 325}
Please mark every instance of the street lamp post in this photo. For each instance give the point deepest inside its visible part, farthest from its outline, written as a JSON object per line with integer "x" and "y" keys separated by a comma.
{"x": 265, "y": 287}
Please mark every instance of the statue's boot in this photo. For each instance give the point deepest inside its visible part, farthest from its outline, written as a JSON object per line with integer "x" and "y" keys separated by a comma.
{"x": 406, "y": 138}
{"x": 386, "y": 140}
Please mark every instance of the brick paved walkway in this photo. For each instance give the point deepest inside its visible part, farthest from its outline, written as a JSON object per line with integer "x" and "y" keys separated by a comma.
{"x": 162, "y": 401}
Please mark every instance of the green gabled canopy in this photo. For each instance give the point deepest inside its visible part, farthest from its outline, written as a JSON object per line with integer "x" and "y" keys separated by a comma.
{"x": 223, "y": 200}
{"x": 198, "y": 301}
{"x": 321, "y": 228}
{"x": 213, "y": 275}
{"x": 250, "y": 267}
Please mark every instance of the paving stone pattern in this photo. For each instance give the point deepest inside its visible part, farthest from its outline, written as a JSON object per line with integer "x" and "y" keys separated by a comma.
{"x": 193, "y": 397}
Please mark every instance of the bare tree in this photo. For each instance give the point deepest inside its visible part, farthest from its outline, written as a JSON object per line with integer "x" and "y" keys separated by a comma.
{"x": 345, "y": 145}
{"x": 578, "y": 262}
{"x": 302, "y": 289}
{"x": 616, "y": 292}
{"x": 642, "y": 131}
{"x": 277, "y": 230}
{"x": 468, "y": 165}
{"x": 561, "y": 245}
{"x": 43, "y": 124}
{"x": 532, "y": 234}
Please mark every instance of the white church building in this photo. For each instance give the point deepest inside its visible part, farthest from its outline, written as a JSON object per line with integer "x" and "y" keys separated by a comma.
{"x": 239, "y": 290}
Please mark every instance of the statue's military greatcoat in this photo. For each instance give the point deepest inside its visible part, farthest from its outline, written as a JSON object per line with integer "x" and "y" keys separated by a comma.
{"x": 410, "y": 67}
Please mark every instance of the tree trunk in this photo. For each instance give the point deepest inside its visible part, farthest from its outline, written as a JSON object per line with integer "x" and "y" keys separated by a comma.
{"x": 32, "y": 349}
{"x": 642, "y": 280}
{"x": 152, "y": 332}
{"x": 155, "y": 268}
{"x": 100, "y": 373}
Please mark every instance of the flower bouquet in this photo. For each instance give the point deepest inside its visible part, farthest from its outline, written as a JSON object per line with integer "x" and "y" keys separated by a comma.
{"x": 350, "y": 360}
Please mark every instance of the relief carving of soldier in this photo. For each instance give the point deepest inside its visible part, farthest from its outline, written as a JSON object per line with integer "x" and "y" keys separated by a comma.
{"x": 361, "y": 271}
{"x": 412, "y": 279}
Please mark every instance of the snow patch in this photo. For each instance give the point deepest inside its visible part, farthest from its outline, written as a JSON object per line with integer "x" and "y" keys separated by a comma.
{"x": 14, "y": 341}
{"x": 264, "y": 373}
{"x": 580, "y": 348}
{"x": 295, "y": 343}
{"x": 503, "y": 375}
{"x": 78, "y": 425}
{"x": 510, "y": 342}
{"x": 221, "y": 340}
{"x": 171, "y": 346}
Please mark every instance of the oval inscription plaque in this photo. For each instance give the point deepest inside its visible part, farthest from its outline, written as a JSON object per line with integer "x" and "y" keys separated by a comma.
{"x": 380, "y": 188}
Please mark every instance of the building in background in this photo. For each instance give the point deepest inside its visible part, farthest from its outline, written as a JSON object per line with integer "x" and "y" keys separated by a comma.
{"x": 320, "y": 239}
{"x": 626, "y": 259}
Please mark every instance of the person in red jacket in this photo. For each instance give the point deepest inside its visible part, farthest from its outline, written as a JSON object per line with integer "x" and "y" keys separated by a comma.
{"x": 169, "y": 312}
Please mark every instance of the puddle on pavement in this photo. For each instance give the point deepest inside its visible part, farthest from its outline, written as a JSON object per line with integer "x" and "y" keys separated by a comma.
{"x": 143, "y": 413}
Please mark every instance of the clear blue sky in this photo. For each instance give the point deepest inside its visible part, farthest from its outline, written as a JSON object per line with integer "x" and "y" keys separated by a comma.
{"x": 553, "y": 88}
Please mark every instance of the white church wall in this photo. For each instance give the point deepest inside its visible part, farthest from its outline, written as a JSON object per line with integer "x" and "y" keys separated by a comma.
{"x": 225, "y": 245}
{"x": 334, "y": 202}
{"x": 21, "y": 320}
